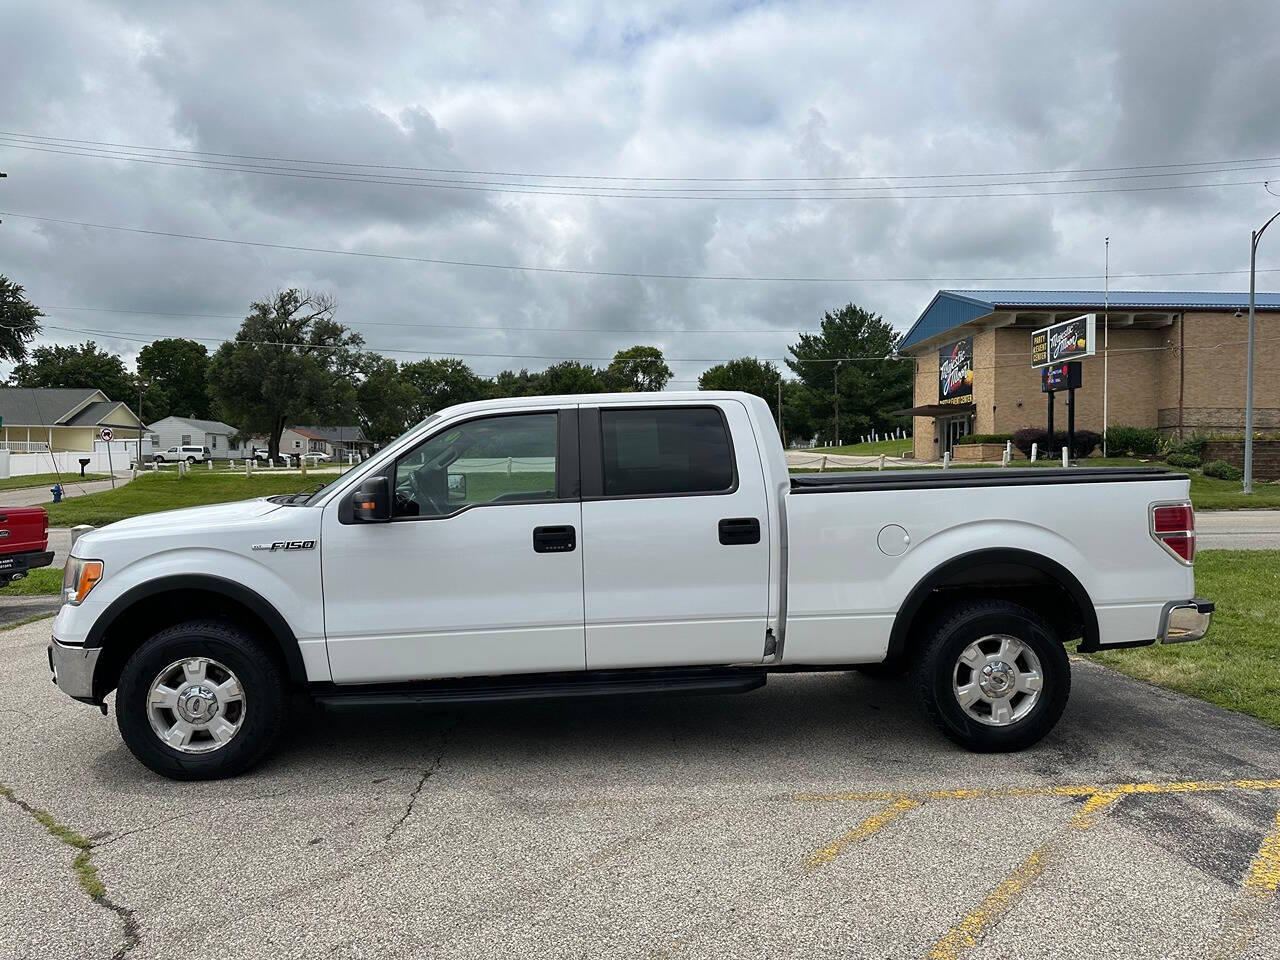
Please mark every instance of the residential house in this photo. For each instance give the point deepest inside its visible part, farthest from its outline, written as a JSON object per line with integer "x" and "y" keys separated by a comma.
{"x": 219, "y": 437}
{"x": 341, "y": 443}
{"x": 62, "y": 418}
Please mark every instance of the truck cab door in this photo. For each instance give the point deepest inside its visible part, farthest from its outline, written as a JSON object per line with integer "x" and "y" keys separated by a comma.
{"x": 675, "y": 531}
{"x": 478, "y": 567}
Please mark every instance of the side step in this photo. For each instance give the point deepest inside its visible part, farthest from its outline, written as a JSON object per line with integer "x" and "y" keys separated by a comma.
{"x": 540, "y": 687}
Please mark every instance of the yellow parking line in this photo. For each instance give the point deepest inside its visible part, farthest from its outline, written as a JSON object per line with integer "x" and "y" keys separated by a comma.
{"x": 873, "y": 824}
{"x": 1088, "y": 814}
{"x": 1076, "y": 790}
{"x": 1263, "y": 877}
{"x": 968, "y": 931}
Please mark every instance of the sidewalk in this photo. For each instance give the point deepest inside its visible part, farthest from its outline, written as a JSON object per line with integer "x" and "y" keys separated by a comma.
{"x": 71, "y": 487}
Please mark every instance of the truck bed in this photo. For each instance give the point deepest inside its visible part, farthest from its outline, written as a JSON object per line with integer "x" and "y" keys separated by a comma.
{"x": 991, "y": 477}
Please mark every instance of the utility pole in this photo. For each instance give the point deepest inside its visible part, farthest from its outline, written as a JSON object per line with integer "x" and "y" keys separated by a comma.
{"x": 1106, "y": 334}
{"x": 1248, "y": 371}
{"x": 835, "y": 392}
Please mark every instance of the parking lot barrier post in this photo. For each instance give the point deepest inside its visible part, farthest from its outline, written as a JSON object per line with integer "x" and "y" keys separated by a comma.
{"x": 1035, "y": 451}
{"x": 882, "y": 461}
{"x": 1065, "y": 461}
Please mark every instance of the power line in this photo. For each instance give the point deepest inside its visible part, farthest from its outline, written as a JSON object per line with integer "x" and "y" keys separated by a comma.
{"x": 611, "y": 273}
{"x": 571, "y": 176}
{"x": 538, "y": 191}
{"x": 651, "y": 192}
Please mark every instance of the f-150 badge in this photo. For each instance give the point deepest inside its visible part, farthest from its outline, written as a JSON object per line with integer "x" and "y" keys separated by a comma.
{"x": 286, "y": 545}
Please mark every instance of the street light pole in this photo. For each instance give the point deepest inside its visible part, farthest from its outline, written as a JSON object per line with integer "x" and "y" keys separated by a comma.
{"x": 1248, "y": 373}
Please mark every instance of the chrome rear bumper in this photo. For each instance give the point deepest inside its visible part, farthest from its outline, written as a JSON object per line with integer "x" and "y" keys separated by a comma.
{"x": 1185, "y": 620}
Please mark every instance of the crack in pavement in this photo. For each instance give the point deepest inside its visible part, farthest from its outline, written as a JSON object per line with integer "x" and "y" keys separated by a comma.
{"x": 422, "y": 781}
{"x": 83, "y": 867}
{"x": 106, "y": 839}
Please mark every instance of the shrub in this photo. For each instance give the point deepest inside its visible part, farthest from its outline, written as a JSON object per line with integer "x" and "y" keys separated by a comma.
{"x": 986, "y": 438}
{"x": 1182, "y": 460}
{"x": 1124, "y": 441}
{"x": 1190, "y": 448}
{"x": 1223, "y": 470}
{"x": 1086, "y": 442}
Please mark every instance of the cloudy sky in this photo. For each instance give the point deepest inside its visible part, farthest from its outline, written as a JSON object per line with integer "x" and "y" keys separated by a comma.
{"x": 766, "y": 140}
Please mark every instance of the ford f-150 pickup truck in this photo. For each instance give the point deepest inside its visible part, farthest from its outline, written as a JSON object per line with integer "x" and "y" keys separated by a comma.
{"x": 620, "y": 543}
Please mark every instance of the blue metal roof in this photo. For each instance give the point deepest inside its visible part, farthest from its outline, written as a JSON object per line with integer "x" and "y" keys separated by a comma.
{"x": 954, "y": 308}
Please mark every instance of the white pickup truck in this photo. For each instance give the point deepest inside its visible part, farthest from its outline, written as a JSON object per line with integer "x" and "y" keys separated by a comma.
{"x": 621, "y": 543}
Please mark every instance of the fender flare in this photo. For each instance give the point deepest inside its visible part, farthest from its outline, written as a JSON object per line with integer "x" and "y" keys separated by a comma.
{"x": 281, "y": 632}
{"x": 1003, "y": 555}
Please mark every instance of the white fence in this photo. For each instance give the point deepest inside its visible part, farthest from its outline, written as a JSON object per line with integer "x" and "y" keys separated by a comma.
{"x": 42, "y": 460}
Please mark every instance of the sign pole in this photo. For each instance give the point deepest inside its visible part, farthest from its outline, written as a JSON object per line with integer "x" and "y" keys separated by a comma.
{"x": 1071, "y": 420}
{"x": 107, "y": 436}
{"x": 1050, "y": 395}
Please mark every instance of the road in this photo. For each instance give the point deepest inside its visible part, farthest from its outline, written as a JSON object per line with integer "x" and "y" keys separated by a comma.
{"x": 819, "y": 816}
{"x": 1238, "y": 530}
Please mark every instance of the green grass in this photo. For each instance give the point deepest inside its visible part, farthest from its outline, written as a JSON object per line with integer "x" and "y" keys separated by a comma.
{"x": 43, "y": 581}
{"x": 47, "y": 480}
{"x": 1237, "y": 665}
{"x": 892, "y": 448}
{"x": 1210, "y": 493}
{"x": 153, "y": 492}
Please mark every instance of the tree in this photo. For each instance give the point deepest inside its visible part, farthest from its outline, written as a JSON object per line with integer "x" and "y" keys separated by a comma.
{"x": 385, "y": 400}
{"x": 175, "y": 376}
{"x": 80, "y": 365}
{"x": 290, "y": 362}
{"x": 636, "y": 369}
{"x": 436, "y": 384}
{"x": 511, "y": 384}
{"x": 871, "y": 382}
{"x": 19, "y": 321}
{"x": 568, "y": 376}
{"x": 762, "y": 379}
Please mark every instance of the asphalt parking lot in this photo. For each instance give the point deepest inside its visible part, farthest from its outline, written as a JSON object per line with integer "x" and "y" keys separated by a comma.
{"x": 819, "y": 816}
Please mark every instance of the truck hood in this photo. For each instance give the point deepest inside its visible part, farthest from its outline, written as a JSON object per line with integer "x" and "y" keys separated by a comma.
{"x": 186, "y": 521}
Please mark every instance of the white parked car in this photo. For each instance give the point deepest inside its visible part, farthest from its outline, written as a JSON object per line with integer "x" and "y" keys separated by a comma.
{"x": 316, "y": 456}
{"x": 569, "y": 546}
{"x": 189, "y": 453}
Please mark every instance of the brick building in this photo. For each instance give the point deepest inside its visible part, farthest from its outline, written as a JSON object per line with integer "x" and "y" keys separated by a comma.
{"x": 1176, "y": 362}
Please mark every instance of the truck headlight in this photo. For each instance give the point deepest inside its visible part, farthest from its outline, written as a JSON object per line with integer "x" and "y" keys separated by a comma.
{"x": 78, "y": 578}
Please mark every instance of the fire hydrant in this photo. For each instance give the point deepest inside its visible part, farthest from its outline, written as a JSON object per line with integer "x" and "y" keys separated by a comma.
{"x": 56, "y": 490}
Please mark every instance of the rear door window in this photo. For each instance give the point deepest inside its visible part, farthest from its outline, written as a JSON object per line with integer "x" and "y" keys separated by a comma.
{"x": 671, "y": 451}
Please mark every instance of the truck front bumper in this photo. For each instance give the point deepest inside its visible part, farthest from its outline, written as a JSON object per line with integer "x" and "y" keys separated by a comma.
{"x": 1185, "y": 620}
{"x": 73, "y": 668}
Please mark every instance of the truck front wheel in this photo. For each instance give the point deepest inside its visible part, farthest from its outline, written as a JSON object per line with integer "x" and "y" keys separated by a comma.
{"x": 200, "y": 701}
{"x": 992, "y": 676}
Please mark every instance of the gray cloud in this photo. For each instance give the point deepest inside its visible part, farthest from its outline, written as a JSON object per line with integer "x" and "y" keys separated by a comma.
{"x": 677, "y": 90}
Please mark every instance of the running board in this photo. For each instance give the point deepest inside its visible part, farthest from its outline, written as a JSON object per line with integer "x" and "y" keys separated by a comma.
{"x": 540, "y": 687}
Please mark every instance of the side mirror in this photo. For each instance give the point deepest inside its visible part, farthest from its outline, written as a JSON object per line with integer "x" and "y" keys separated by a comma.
{"x": 457, "y": 487}
{"x": 371, "y": 503}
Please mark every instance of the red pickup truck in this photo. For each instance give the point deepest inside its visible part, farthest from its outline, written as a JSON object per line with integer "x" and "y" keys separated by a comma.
{"x": 24, "y": 542}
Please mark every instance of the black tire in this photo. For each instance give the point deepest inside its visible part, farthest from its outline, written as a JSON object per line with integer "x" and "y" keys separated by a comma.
{"x": 191, "y": 459}
{"x": 157, "y": 459}
{"x": 264, "y": 702}
{"x": 933, "y": 673}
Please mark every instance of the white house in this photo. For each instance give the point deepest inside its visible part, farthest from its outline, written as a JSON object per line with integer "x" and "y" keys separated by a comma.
{"x": 180, "y": 431}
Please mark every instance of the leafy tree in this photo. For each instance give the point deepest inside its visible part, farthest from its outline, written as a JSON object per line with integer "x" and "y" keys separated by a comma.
{"x": 80, "y": 365}
{"x": 511, "y": 384}
{"x": 436, "y": 384}
{"x": 175, "y": 375}
{"x": 762, "y": 378}
{"x": 290, "y": 362}
{"x": 385, "y": 400}
{"x": 568, "y": 376}
{"x": 639, "y": 369}
{"x": 871, "y": 384}
{"x": 19, "y": 320}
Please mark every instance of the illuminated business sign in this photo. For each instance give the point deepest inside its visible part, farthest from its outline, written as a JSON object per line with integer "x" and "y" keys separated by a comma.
{"x": 955, "y": 372}
{"x": 1066, "y": 341}
{"x": 1060, "y": 376}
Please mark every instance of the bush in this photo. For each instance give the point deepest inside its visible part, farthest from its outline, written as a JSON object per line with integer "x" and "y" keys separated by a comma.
{"x": 1191, "y": 448}
{"x": 986, "y": 438}
{"x": 1183, "y": 460}
{"x": 1123, "y": 441}
{"x": 1223, "y": 470}
{"x": 1086, "y": 442}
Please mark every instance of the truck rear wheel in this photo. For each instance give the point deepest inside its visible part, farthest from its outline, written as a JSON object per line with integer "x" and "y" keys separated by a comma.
{"x": 992, "y": 676}
{"x": 200, "y": 701}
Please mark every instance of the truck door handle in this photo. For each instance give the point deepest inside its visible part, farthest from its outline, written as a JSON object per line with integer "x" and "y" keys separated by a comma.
{"x": 736, "y": 530}
{"x": 554, "y": 539}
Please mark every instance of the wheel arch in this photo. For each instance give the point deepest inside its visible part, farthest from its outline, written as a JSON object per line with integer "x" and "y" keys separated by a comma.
{"x": 143, "y": 610}
{"x": 1001, "y": 572}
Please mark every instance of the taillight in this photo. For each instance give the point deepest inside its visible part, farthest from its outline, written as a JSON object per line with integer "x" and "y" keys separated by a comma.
{"x": 1173, "y": 526}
